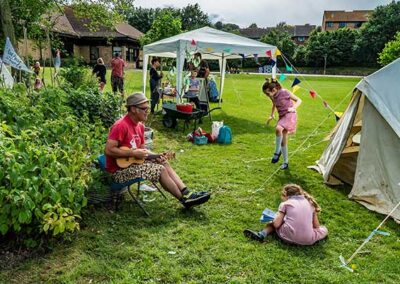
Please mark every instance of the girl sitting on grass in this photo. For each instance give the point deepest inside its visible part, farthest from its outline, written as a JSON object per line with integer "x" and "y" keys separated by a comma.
{"x": 296, "y": 221}
{"x": 282, "y": 100}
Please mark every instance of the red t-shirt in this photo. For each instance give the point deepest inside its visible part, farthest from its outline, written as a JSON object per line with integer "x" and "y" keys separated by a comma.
{"x": 127, "y": 133}
{"x": 117, "y": 65}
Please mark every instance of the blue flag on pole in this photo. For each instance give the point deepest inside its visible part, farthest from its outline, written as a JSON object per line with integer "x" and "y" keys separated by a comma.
{"x": 11, "y": 57}
{"x": 296, "y": 82}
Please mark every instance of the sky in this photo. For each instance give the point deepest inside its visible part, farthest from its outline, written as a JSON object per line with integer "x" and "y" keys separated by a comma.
{"x": 267, "y": 13}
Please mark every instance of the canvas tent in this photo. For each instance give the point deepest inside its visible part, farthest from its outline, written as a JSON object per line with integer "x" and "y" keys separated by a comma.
{"x": 364, "y": 148}
{"x": 211, "y": 43}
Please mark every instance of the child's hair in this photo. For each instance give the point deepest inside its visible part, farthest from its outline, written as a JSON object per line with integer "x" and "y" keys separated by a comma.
{"x": 294, "y": 189}
{"x": 271, "y": 83}
{"x": 155, "y": 59}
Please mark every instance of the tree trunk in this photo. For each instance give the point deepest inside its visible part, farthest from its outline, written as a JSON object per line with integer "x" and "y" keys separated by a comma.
{"x": 6, "y": 22}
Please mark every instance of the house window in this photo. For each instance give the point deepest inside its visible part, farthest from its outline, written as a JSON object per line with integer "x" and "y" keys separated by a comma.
{"x": 94, "y": 53}
{"x": 116, "y": 49}
{"x": 329, "y": 24}
{"x": 301, "y": 39}
{"x": 131, "y": 54}
{"x": 342, "y": 25}
{"x": 357, "y": 24}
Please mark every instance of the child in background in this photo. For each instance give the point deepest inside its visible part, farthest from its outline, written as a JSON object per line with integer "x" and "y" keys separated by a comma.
{"x": 194, "y": 89}
{"x": 36, "y": 68}
{"x": 282, "y": 100}
{"x": 296, "y": 221}
{"x": 38, "y": 84}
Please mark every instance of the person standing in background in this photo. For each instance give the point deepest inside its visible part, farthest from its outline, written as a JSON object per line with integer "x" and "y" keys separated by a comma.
{"x": 117, "y": 74}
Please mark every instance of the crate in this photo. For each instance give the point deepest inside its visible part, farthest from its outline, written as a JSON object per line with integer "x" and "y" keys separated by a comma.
{"x": 200, "y": 140}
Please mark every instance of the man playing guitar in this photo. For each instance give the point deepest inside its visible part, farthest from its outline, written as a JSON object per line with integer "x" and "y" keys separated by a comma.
{"x": 128, "y": 132}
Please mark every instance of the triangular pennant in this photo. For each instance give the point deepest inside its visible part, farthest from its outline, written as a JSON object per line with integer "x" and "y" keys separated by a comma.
{"x": 268, "y": 53}
{"x": 10, "y": 57}
{"x": 289, "y": 68}
{"x": 227, "y": 50}
{"x": 242, "y": 55}
{"x": 313, "y": 94}
{"x": 272, "y": 62}
{"x": 209, "y": 49}
{"x": 295, "y": 88}
{"x": 282, "y": 77}
{"x": 193, "y": 42}
{"x": 338, "y": 115}
{"x": 325, "y": 104}
{"x": 295, "y": 82}
{"x": 278, "y": 52}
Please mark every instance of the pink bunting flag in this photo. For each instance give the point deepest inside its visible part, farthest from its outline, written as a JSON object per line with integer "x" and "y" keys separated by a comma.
{"x": 313, "y": 94}
{"x": 268, "y": 53}
{"x": 193, "y": 42}
{"x": 326, "y": 104}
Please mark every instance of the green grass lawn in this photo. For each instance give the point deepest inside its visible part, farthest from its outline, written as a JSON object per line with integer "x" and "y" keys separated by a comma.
{"x": 206, "y": 245}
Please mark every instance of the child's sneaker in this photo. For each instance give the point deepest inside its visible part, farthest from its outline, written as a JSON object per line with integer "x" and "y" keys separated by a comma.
{"x": 191, "y": 199}
{"x": 253, "y": 235}
{"x": 285, "y": 166}
{"x": 276, "y": 157}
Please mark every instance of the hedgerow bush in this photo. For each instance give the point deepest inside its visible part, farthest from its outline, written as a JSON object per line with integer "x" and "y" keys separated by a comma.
{"x": 46, "y": 154}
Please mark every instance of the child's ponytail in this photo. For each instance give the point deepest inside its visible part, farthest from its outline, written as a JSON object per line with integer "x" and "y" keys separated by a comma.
{"x": 294, "y": 189}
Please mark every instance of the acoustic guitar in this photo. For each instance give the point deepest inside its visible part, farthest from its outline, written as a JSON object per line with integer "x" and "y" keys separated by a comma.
{"x": 127, "y": 161}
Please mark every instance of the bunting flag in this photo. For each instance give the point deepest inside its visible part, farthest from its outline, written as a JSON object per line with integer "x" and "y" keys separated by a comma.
{"x": 338, "y": 115}
{"x": 227, "y": 50}
{"x": 5, "y": 76}
{"x": 209, "y": 49}
{"x": 295, "y": 88}
{"x": 278, "y": 52}
{"x": 11, "y": 57}
{"x": 242, "y": 55}
{"x": 268, "y": 53}
{"x": 193, "y": 42}
{"x": 325, "y": 104}
{"x": 289, "y": 68}
{"x": 282, "y": 77}
{"x": 313, "y": 94}
{"x": 296, "y": 82}
{"x": 255, "y": 57}
{"x": 272, "y": 62}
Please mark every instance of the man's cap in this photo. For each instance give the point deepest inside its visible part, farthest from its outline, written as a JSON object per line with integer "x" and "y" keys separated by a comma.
{"x": 136, "y": 99}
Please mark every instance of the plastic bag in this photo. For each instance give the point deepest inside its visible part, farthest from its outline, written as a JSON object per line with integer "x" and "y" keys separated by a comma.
{"x": 216, "y": 126}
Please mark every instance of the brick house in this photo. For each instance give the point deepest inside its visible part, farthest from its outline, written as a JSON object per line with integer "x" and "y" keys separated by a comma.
{"x": 301, "y": 33}
{"x": 79, "y": 41}
{"x": 334, "y": 20}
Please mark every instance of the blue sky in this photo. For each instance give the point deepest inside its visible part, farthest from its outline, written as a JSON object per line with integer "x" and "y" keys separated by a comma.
{"x": 267, "y": 13}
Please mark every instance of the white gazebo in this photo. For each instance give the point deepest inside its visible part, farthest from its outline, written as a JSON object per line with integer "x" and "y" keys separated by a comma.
{"x": 212, "y": 44}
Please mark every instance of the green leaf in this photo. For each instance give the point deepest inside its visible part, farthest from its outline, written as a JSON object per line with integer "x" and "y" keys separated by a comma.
{"x": 3, "y": 229}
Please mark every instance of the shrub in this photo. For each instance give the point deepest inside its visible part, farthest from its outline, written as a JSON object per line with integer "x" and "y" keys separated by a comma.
{"x": 46, "y": 155}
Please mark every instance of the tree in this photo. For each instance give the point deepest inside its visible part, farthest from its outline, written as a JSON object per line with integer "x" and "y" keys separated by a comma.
{"x": 142, "y": 18}
{"x": 165, "y": 25}
{"x": 381, "y": 27}
{"x": 253, "y": 25}
{"x": 219, "y": 25}
{"x": 193, "y": 17}
{"x": 391, "y": 51}
{"x": 282, "y": 40}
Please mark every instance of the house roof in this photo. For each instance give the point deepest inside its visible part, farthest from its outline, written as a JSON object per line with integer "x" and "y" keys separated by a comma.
{"x": 347, "y": 16}
{"x": 254, "y": 33}
{"x": 303, "y": 30}
{"x": 71, "y": 25}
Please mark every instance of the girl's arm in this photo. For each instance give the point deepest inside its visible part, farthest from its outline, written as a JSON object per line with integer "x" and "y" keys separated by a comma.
{"x": 271, "y": 117}
{"x": 297, "y": 101}
{"x": 315, "y": 220}
{"x": 278, "y": 221}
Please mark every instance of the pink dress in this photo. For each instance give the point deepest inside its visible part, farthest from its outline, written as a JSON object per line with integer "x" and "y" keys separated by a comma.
{"x": 282, "y": 101}
{"x": 297, "y": 227}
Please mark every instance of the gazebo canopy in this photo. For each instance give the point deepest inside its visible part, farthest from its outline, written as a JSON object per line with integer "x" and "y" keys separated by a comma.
{"x": 211, "y": 43}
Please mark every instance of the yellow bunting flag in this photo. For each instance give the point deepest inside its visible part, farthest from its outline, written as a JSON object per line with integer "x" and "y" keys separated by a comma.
{"x": 278, "y": 52}
{"x": 209, "y": 49}
{"x": 295, "y": 88}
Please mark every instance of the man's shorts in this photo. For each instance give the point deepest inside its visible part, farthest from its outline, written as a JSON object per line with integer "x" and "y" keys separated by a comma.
{"x": 148, "y": 171}
{"x": 117, "y": 83}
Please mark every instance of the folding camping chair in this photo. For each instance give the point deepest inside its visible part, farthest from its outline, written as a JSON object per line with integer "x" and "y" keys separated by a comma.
{"x": 118, "y": 189}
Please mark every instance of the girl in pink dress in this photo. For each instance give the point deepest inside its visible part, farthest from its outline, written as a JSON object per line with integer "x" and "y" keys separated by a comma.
{"x": 296, "y": 221}
{"x": 282, "y": 100}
